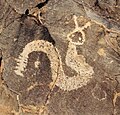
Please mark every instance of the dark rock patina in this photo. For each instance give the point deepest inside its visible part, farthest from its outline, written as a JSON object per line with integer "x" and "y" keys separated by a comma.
{"x": 70, "y": 65}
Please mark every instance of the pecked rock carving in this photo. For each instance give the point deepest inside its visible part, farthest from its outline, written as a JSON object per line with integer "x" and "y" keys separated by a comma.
{"x": 32, "y": 63}
{"x": 73, "y": 60}
{"x": 63, "y": 74}
{"x": 98, "y": 93}
{"x": 37, "y": 45}
{"x": 76, "y": 62}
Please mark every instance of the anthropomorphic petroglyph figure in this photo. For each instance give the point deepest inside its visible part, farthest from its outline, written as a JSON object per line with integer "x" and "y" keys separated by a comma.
{"x": 76, "y": 62}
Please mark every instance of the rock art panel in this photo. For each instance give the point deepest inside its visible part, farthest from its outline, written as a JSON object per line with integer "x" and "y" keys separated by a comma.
{"x": 95, "y": 52}
{"x": 77, "y": 62}
{"x": 75, "y": 72}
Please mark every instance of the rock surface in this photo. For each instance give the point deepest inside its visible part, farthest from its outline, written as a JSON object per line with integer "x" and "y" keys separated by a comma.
{"x": 66, "y": 64}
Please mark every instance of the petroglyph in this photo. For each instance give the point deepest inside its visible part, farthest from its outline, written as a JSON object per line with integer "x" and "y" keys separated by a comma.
{"x": 76, "y": 62}
{"x": 73, "y": 60}
{"x": 78, "y": 30}
{"x": 101, "y": 52}
{"x": 37, "y": 45}
{"x": 37, "y": 63}
{"x": 98, "y": 93}
{"x": 116, "y": 95}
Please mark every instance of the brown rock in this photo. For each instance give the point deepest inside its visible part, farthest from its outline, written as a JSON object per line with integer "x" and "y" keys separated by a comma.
{"x": 70, "y": 65}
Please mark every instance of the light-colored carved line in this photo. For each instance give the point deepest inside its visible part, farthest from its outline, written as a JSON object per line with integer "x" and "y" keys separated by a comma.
{"x": 75, "y": 21}
{"x": 97, "y": 97}
{"x": 37, "y": 45}
{"x": 76, "y": 62}
{"x": 78, "y": 29}
{"x": 101, "y": 98}
{"x": 116, "y": 95}
{"x": 84, "y": 71}
{"x": 109, "y": 30}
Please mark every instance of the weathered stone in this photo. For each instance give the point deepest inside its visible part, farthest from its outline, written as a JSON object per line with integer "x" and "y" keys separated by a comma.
{"x": 27, "y": 70}
{"x": 72, "y": 69}
{"x": 21, "y": 6}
